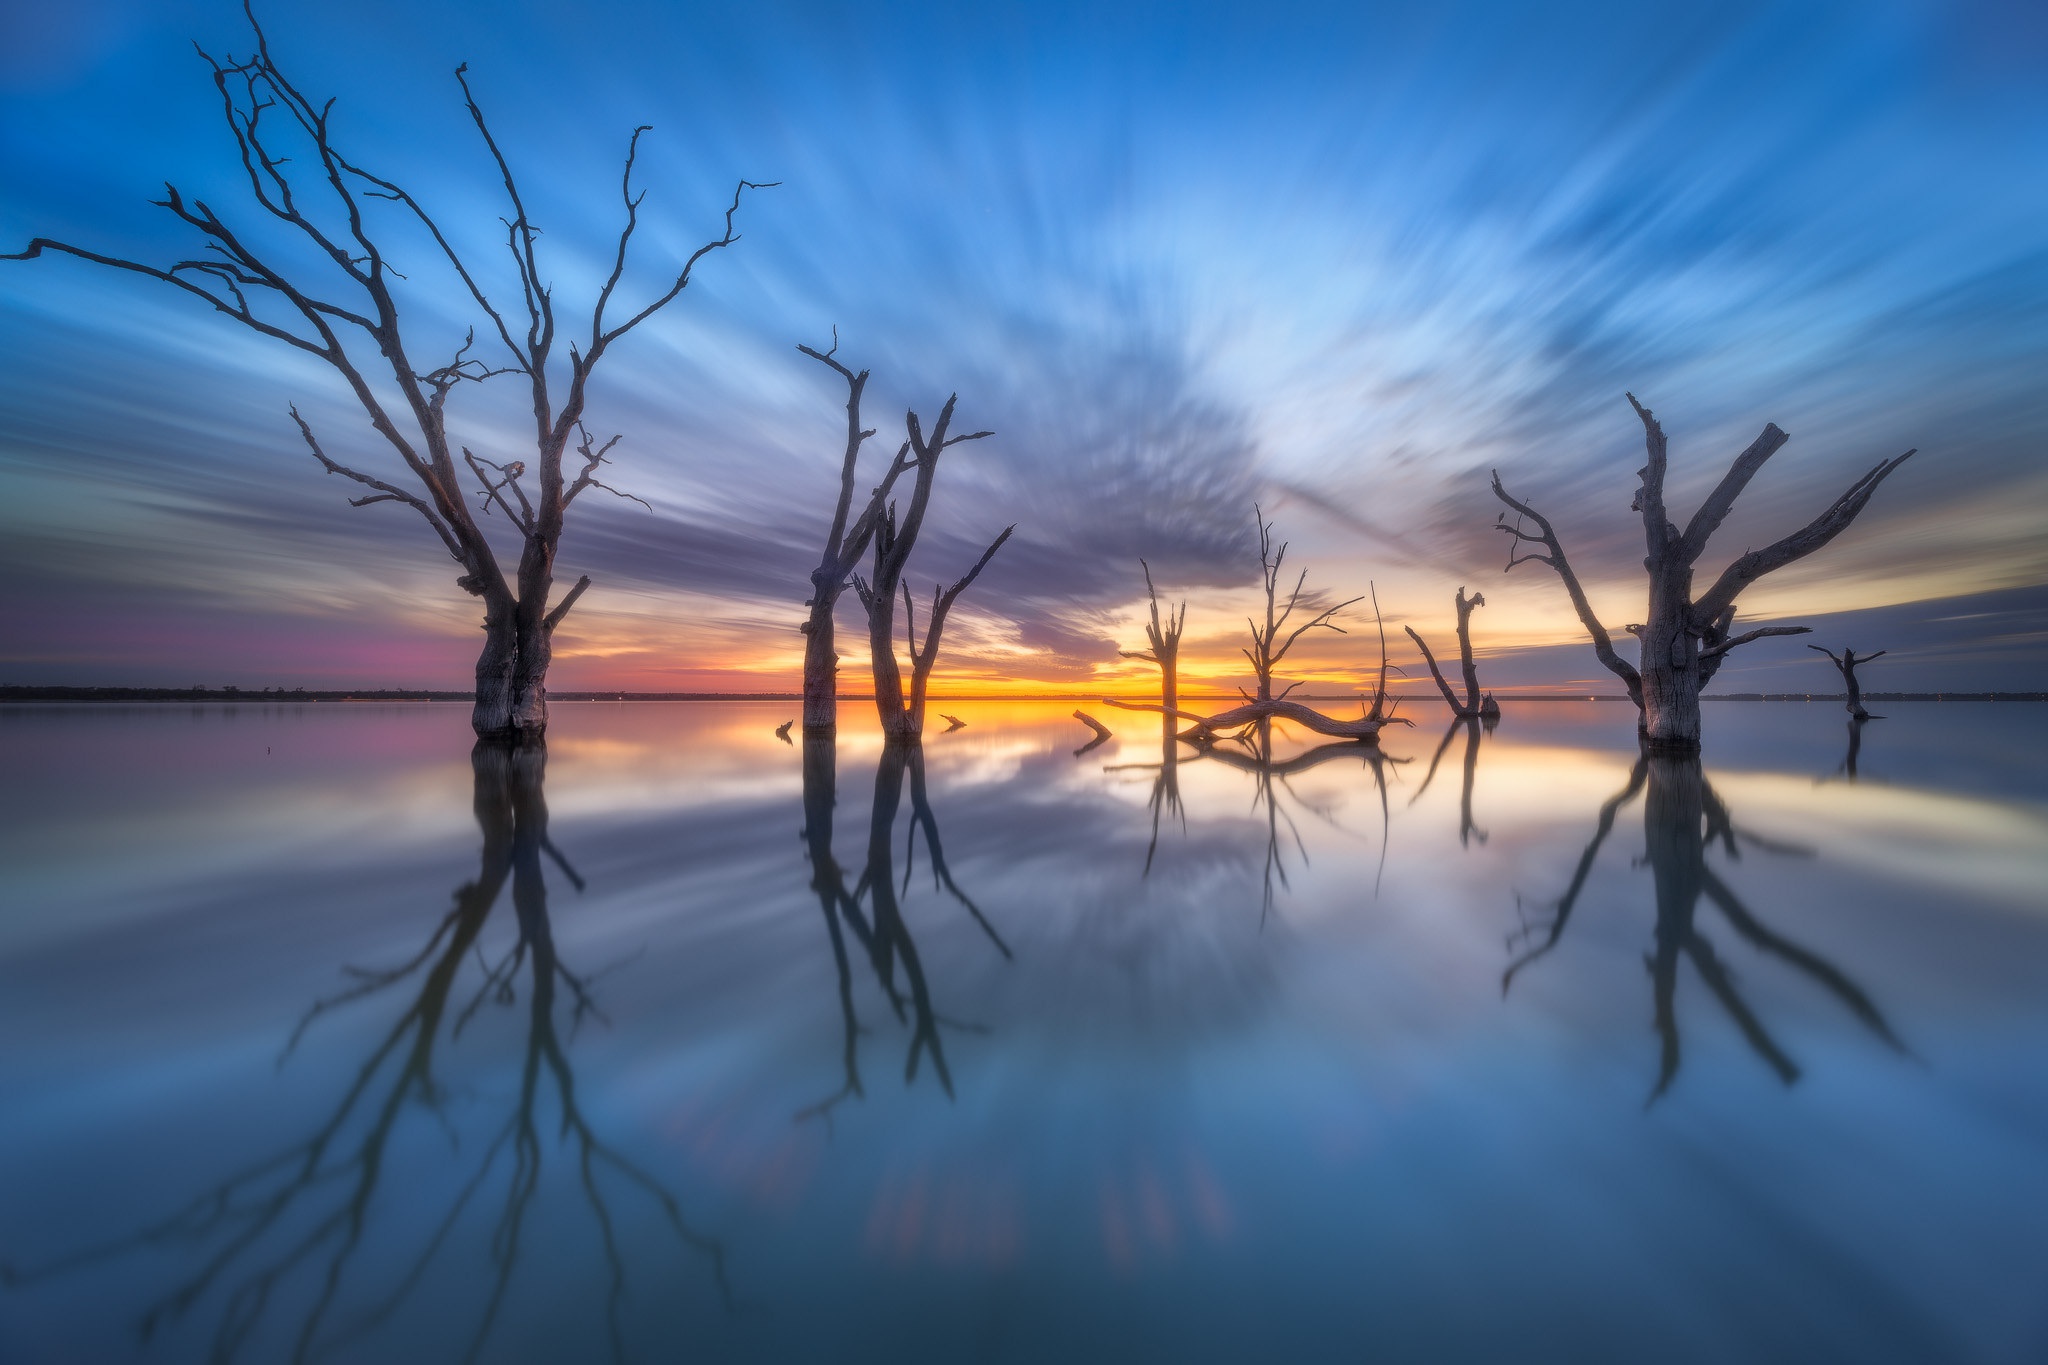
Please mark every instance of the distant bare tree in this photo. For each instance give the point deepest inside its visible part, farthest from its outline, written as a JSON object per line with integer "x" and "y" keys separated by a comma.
{"x": 1685, "y": 637}
{"x": 1164, "y": 637}
{"x": 1474, "y": 704}
{"x": 293, "y": 164}
{"x": 1845, "y": 664}
{"x": 1270, "y": 645}
{"x": 894, "y": 538}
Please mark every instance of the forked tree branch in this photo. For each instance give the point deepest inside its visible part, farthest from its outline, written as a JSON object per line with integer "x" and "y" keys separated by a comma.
{"x": 1603, "y": 645}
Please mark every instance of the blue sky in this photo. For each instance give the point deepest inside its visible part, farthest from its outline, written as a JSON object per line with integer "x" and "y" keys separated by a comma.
{"x": 1339, "y": 260}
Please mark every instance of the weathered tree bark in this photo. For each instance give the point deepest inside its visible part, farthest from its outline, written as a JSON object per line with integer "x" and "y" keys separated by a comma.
{"x": 1102, "y": 733}
{"x": 902, "y": 716}
{"x": 1164, "y": 637}
{"x": 1684, "y": 638}
{"x": 253, "y": 287}
{"x": 1845, "y": 664}
{"x": 1473, "y": 702}
{"x": 844, "y": 546}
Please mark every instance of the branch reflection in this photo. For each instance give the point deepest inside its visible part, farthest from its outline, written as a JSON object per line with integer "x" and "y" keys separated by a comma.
{"x": 292, "y": 1224}
{"x": 1683, "y": 819}
{"x": 880, "y": 931}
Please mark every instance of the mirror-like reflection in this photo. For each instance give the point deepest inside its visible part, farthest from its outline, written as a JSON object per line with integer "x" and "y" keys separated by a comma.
{"x": 1682, "y": 820}
{"x": 260, "y": 1234}
{"x": 1180, "y": 1052}
{"x": 882, "y": 932}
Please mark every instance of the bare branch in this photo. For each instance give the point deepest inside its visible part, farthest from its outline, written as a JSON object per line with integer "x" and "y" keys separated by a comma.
{"x": 1603, "y": 646}
{"x": 1798, "y": 545}
{"x": 554, "y": 618}
{"x": 1759, "y": 633}
{"x": 387, "y": 492}
{"x": 1716, "y": 508}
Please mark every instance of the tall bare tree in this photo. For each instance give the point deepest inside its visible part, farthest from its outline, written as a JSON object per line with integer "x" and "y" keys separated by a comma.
{"x": 1685, "y": 637}
{"x": 844, "y": 546}
{"x": 318, "y": 200}
{"x": 902, "y": 715}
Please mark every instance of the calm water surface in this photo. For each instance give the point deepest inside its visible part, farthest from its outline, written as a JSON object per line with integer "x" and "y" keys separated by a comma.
{"x": 327, "y": 1039}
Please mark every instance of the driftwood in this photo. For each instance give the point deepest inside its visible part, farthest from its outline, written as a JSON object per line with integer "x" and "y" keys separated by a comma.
{"x": 1845, "y": 664}
{"x": 1210, "y": 727}
{"x": 1685, "y": 637}
{"x": 1102, "y": 732}
{"x": 952, "y": 722}
{"x": 782, "y": 732}
{"x": 291, "y": 162}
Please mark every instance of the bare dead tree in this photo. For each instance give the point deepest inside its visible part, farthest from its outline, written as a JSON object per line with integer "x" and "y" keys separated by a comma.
{"x": 1164, "y": 638}
{"x": 314, "y": 195}
{"x": 1683, "y": 819}
{"x": 1686, "y": 637}
{"x": 845, "y": 545}
{"x": 1846, "y": 663}
{"x": 1473, "y": 705}
{"x": 1271, "y": 642}
{"x": 894, "y": 538}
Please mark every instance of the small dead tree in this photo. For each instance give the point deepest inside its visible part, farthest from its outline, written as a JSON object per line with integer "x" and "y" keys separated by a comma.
{"x": 1164, "y": 637}
{"x": 844, "y": 547}
{"x": 1685, "y": 638}
{"x": 1270, "y": 645}
{"x": 1845, "y": 664}
{"x": 894, "y": 538}
{"x": 1474, "y": 704}
{"x": 318, "y": 199}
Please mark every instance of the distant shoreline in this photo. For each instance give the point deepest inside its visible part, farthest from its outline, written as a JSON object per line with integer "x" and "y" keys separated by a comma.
{"x": 233, "y": 696}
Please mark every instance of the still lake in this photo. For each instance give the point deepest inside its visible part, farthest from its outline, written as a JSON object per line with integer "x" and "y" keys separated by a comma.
{"x": 325, "y": 1038}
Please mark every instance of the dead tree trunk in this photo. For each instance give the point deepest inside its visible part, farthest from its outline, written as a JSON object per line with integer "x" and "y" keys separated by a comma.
{"x": 292, "y": 165}
{"x": 902, "y": 716}
{"x": 1684, "y": 638}
{"x": 1164, "y": 637}
{"x": 1473, "y": 702}
{"x": 1846, "y": 666}
{"x": 844, "y": 547}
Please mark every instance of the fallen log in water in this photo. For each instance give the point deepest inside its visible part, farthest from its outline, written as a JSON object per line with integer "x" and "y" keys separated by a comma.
{"x": 1365, "y": 730}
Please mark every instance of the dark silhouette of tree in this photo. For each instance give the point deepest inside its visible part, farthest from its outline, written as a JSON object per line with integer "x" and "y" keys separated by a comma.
{"x": 1846, "y": 664}
{"x": 1685, "y": 637}
{"x": 845, "y": 544}
{"x": 318, "y": 200}
{"x": 902, "y": 715}
{"x": 1271, "y": 642}
{"x": 295, "y": 1220}
{"x": 1473, "y": 704}
{"x": 1163, "y": 637}
{"x": 1682, "y": 820}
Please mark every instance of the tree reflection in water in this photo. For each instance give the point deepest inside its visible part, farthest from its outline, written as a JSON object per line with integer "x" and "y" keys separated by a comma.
{"x": 1470, "y": 726}
{"x": 302, "y": 1214}
{"x": 1682, "y": 819}
{"x": 1251, "y": 751}
{"x": 881, "y": 931}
